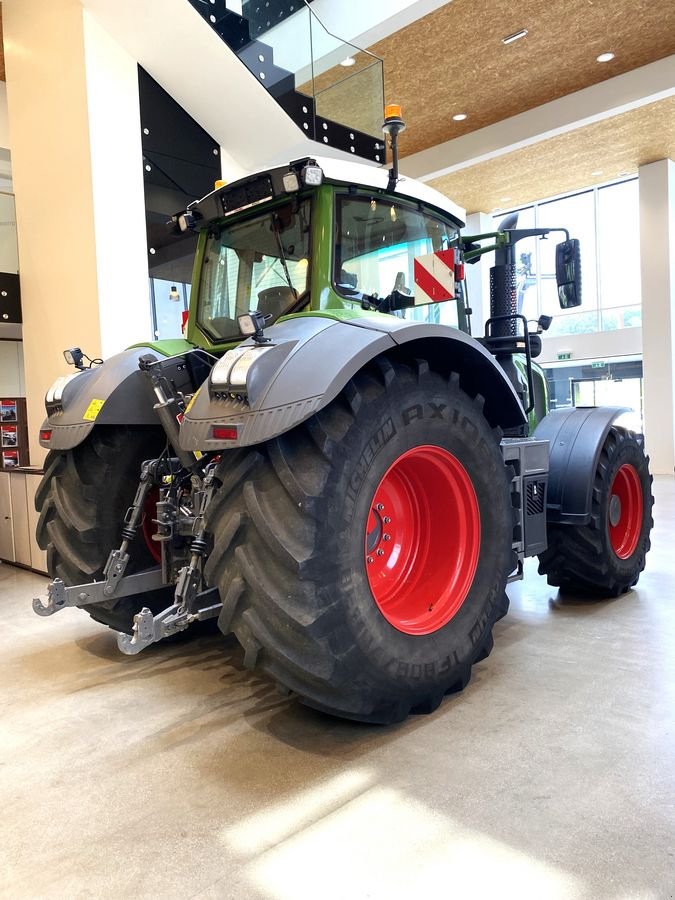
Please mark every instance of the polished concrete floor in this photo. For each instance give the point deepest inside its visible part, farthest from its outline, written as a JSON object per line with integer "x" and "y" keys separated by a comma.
{"x": 177, "y": 773}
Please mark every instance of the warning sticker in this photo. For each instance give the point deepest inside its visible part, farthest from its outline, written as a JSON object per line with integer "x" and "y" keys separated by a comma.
{"x": 93, "y": 410}
{"x": 191, "y": 403}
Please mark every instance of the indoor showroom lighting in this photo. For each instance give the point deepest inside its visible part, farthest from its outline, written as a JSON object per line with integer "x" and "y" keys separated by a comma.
{"x": 459, "y": 117}
{"x": 516, "y": 36}
{"x": 605, "y": 57}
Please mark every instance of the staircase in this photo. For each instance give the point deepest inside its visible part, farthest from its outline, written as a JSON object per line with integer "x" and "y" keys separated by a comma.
{"x": 332, "y": 90}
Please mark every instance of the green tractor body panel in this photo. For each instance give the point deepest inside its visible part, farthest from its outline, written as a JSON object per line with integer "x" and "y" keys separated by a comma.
{"x": 540, "y": 384}
{"x": 170, "y": 347}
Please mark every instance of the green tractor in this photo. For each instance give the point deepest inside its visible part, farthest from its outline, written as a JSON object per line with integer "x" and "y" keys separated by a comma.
{"x": 330, "y": 464}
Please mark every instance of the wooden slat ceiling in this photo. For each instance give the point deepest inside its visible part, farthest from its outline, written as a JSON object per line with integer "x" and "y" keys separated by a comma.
{"x": 590, "y": 155}
{"x": 453, "y": 60}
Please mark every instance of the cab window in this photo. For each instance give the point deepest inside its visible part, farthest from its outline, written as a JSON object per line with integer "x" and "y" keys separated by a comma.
{"x": 261, "y": 263}
{"x": 377, "y": 242}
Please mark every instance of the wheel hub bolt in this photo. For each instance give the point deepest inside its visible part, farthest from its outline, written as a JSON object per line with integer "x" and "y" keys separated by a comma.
{"x": 380, "y": 552}
{"x": 379, "y": 507}
{"x": 370, "y": 559}
{"x": 386, "y": 520}
{"x": 387, "y": 537}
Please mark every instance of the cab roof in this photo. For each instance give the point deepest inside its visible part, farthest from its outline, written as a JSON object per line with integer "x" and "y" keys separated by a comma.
{"x": 344, "y": 171}
{"x": 259, "y": 187}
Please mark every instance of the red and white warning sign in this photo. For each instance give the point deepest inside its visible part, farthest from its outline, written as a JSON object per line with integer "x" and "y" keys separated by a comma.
{"x": 435, "y": 277}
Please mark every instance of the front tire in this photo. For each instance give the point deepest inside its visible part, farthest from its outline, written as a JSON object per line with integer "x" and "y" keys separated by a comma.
{"x": 605, "y": 557}
{"x": 82, "y": 499}
{"x": 296, "y": 521}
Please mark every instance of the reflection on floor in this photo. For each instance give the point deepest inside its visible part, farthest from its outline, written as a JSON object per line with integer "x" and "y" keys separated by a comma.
{"x": 177, "y": 773}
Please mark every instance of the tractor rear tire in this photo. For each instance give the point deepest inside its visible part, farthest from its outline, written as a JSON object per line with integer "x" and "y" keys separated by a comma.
{"x": 362, "y": 557}
{"x": 605, "y": 557}
{"x": 82, "y": 499}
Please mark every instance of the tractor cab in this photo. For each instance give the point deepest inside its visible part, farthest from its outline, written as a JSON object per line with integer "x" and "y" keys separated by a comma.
{"x": 322, "y": 236}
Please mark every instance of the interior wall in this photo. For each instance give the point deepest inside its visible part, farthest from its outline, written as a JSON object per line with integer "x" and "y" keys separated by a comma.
{"x": 4, "y": 118}
{"x": 47, "y": 101}
{"x": 114, "y": 138}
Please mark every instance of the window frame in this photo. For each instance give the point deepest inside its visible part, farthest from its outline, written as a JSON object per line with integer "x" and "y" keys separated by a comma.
{"x": 599, "y": 311}
{"x": 403, "y": 203}
{"x": 261, "y": 212}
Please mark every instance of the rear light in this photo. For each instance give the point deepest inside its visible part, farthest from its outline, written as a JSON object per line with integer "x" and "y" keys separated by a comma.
{"x": 459, "y": 271}
{"x": 225, "y": 432}
{"x": 45, "y": 434}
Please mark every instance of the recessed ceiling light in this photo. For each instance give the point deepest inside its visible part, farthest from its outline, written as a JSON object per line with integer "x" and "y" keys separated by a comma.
{"x": 459, "y": 117}
{"x": 596, "y": 173}
{"x": 516, "y": 36}
{"x": 504, "y": 199}
{"x": 349, "y": 61}
{"x": 605, "y": 57}
{"x": 622, "y": 174}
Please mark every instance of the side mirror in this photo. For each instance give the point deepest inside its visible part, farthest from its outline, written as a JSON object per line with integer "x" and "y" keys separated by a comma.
{"x": 568, "y": 273}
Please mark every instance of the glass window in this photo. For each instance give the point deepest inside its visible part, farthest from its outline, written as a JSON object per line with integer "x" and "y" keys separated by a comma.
{"x": 578, "y": 216}
{"x": 377, "y": 244}
{"x": 168, "y": 301}
{"x": 260, "y": 263}
{"x": 606, "y": 221}
{"x": 619, "y": 245}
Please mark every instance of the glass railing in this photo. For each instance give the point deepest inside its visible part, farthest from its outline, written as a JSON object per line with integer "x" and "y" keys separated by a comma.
{"x": 345, "y": 82}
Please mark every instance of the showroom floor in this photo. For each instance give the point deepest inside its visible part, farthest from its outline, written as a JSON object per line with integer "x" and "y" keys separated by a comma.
{"x": 178, "y": 773}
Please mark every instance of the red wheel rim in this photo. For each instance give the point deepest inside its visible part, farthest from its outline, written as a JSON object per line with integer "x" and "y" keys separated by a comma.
{"x": 422, "y": 540}
{"x": 626, "y": 510}
{"x": 149, "y": 527}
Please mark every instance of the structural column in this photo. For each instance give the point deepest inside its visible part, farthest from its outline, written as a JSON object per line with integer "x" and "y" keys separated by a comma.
{"x": 657, "y": 256}
{"x": 77, "y": 170}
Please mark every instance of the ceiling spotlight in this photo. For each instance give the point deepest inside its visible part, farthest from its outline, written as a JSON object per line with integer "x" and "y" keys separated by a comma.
{"x": 596, "y": 173}
{"x": 459, "y": 117}
{"x": 516, "y": 36}
{"x": 605, "y": 57}
{"x": 349, "y": 61}
{"x": 504, "y": 199}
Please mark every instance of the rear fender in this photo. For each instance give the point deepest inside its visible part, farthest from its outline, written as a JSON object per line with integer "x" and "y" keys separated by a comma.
{"x": 115, "y": 393}
{"x": 311, "y": 360}
{"x": 576, "y": 437}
